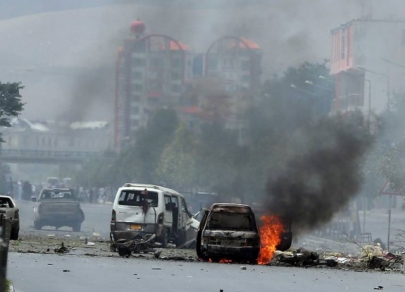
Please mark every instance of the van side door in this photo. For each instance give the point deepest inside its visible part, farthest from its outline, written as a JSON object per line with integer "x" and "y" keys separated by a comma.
{"x": 176, "y": 212}
{"x": 184, "y": 213}
{"x": 168, "y": 215}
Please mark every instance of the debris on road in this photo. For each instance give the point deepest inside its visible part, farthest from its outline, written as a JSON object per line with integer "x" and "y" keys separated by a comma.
{"x": 140, "y": 243}
{"x": 89, "y": 243}
{"x": 61, "y": 249}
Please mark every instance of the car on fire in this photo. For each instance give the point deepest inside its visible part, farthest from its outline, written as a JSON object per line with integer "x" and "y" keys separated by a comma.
{"x": 228, "y": 231}
{"x": 58, "y": 208}
{"x": 9, "y": 208}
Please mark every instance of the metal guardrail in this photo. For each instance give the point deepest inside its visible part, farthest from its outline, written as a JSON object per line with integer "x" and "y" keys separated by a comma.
{"x": 11, "y": 154}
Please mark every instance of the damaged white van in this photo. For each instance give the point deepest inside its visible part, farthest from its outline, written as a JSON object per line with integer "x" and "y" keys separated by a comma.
{"x": 149, "y": 209}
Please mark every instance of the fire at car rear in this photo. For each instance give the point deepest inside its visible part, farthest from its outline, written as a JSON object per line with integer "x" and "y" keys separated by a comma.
{"x": 228, "y": 232}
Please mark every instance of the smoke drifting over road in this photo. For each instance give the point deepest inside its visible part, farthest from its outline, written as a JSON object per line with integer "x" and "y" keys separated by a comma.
{"x": 321, "y": 175}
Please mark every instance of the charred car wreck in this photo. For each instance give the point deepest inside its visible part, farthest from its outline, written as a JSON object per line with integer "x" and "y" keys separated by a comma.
{"x": 228, "y": 231}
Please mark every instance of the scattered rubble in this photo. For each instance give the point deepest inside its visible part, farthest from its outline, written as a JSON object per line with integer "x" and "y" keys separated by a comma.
{"x": 61, "y": 249}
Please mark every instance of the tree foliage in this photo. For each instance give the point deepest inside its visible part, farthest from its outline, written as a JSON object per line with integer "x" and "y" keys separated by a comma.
{"x": 10, "y": 103}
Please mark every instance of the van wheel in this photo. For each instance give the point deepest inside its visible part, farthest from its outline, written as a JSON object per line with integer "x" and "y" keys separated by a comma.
{"x": 164, "y": 238}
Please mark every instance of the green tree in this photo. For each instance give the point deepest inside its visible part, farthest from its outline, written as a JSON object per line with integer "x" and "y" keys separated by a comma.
{"x": 10, "y": 103}
{"x": 177, "y": 166}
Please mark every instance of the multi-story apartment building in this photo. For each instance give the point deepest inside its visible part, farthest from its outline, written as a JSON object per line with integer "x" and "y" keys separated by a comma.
{"x": 151, "y": 72}
{"x": 368, "y": 63}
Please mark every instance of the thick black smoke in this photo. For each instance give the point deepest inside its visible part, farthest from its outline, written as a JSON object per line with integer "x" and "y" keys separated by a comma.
{"x": 322, "y": 174}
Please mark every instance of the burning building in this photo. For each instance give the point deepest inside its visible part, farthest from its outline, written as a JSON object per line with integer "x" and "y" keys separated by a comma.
{"x": 151, "y": 71}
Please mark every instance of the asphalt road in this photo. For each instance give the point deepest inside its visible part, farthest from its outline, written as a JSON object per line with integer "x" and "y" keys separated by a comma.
{"x": 45, "y": 273}
{"x": 97, "y": 220}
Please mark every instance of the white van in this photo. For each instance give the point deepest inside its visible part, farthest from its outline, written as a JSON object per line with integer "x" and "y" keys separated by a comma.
{"x": 141, "y": 208}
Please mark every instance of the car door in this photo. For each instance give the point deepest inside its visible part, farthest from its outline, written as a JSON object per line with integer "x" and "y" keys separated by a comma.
{"x": 199, "y": 235}
{"x": 176, "y": 212}
{"x": 168, "y": 218}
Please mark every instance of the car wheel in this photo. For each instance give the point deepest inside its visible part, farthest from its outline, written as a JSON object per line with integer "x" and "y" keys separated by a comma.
{"x": 124, "y": 252}
{"x": 14, "y": 234}
{"x": 77, "y": 227}
{"x": 164, "y": 238}
{"x": 37, "y": 225}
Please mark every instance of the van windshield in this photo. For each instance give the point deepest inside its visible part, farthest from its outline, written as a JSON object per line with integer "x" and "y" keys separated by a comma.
{"x": 138, "y": 198}
{"x": 231, "y": 221}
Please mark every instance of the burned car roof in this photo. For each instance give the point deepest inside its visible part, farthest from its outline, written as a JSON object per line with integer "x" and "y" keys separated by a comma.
{"x": 230, "y": 208}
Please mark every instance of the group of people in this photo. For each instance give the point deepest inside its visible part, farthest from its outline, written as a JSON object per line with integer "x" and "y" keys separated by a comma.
{"x": 22, "y": 190}
{"x": 95, "y": 195}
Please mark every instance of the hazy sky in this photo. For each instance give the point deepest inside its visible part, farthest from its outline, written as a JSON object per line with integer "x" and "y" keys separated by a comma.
{"x": 69, "y": 55}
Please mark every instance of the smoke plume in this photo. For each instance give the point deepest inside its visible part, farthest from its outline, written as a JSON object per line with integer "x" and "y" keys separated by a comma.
{"x": 321, "y": 175}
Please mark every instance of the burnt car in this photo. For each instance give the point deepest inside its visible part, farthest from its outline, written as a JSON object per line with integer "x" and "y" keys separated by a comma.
{"x": 9, "y": 208}
{"x": 228, "y": 231}
{"x": 58, "y": 208}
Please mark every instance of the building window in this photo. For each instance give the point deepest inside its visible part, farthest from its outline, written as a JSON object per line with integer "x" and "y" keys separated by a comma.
{"x": 245, "y": 65}
{"x": 343, "y": 45}
{"x": 175, "y": 88}
{"x": 138, "y": 87}
{"x": 245, "y": 78}
{"x": 212, "y": 64}
{"x": 135, "y": 123}
{"x": 138, "y": 75}
{"x": 138, "y": 62}
{"x": 176, "y": 76}
{"x": 176, "y": 63}
{"x": 135, "y": 110}
{"x": 136, "y": 97}
{"x": 157, "y": 62}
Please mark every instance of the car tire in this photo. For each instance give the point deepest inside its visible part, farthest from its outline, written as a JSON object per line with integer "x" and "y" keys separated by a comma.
{"x": 77, "y": 227}
{"x": 37, "y": 225}
{"x": 14, "y": 234}
{"x": 164, "y": 238}
{"x": 124, "y": 252}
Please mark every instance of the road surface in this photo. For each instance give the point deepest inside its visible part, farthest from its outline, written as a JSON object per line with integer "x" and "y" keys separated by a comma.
{"x": 45, "y": 273}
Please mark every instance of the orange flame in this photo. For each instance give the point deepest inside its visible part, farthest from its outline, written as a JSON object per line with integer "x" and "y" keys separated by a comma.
{"x": 225, "y": 261}
{"x": 270, "y": 237}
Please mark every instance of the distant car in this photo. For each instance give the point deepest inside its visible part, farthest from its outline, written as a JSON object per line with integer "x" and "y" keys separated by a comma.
{"x": 9, "y": 208}
{"x": 58, "y": 208}
{"x": 228, "y": 231}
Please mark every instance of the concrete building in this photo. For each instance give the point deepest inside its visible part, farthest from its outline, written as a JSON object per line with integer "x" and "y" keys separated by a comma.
{"x": 368, "y": 64}
{"x": 151, "y": 73}
{"x": 156, "y": 71}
